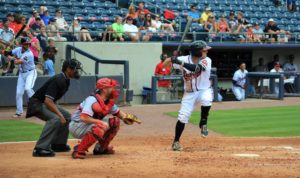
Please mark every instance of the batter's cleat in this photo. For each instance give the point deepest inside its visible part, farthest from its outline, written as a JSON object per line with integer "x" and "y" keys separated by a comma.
{"x": 17, "y": 115}
{"x": 60, "y": 148}
{"x": 76, "y": 154}
{"x": 99, "y": 151}
{"x": 176, "y": 146}
{"x": 38, "y": 152}
{"x": 204, "y": 131}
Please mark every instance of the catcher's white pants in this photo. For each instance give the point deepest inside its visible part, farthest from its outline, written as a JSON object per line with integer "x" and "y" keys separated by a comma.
{"x": 189, "y": 100}
{"x": 25, "y": 83}
{"x": 239, "y": 93}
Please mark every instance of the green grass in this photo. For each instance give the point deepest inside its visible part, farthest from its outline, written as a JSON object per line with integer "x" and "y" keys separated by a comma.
{"x": 273, "y": 122}
{"x": 14, "y": 130}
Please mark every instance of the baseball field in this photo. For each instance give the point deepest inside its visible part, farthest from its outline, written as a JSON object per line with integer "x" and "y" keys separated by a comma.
{"x": 254, "y": 138}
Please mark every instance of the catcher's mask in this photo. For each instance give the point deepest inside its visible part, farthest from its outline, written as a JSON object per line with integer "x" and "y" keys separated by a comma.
{"x": 108, "y": 83}
{"x": 74, "y": 65}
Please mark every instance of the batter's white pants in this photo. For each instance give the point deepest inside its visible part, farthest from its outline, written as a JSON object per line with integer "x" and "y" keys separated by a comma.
{"x": 25, "y": 83}
{"x": 239, "y": 93}
{"x": 189, "y": 100}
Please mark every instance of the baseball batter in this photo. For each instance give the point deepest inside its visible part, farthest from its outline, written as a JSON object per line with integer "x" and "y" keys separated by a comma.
{"x": 239, "y": 81}
{"x": 91, "y": 122}
{"x": 196, "y": 69}
{"x": 23, "y": 57}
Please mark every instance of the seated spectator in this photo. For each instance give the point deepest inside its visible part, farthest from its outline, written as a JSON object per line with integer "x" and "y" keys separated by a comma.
{"x": 258, "y": 32}
{"x": 261, "y": 67}
{"x": 60, "y": 21}
{"x": 291, "y": 5}
{"x": 81, "y": 33}
{"x": 240, "y": 18}
{"x": 132, "y": 31}
{"x": 108, "y": 34}
{"x": 149, "y": 25}
{"x": 160, "y": 70}
{"x": 170, "y": 15}
{"x": 158, "y": 25}
{"x": 132, "y": 13}
{"x": 211, "y": 27}
{"x": 10, "y": 18}
{"x": 44, "y": 14}
{"x": 118, "y": 29}
{"x": 142, "y": 9}
{"x": 193, "y": 13}
{"x": 273, "y": 30}
{"x": 53, "y": 32}
{"x": 140, "y": 21}
{"x": 250, "y": 36}
{"x": 37, "y": 24}
{"x": 239, "y": 81}
{"x": 35, "y": 47}
{"x": 6, "y": 34}
{"x": 32, "y": 19}
{"x": 205, "y": 15}
{"x": 232, "y": 20}
{"x": 43, "y": 38}
{"x": 223, "y": 25}
{"x": 48, "y": 65}
{"x": 291, "y": 68}
{"x": 239, "y": 31}
{"x": 20, "y": 20}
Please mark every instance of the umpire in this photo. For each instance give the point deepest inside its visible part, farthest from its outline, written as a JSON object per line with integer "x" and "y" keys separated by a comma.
{"x": 43, "y": 105}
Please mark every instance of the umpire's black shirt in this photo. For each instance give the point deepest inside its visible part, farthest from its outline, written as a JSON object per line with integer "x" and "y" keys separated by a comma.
{"x": 54, "y": 88}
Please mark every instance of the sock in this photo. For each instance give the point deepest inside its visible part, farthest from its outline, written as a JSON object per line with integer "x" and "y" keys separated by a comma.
{"x": 204, "y": 115}
{"x": 178, "y": 130}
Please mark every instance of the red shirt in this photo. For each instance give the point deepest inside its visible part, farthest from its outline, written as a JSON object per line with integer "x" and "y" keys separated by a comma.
{"x": 161, "y": 70}
{"x": 146, "y": 11}
{"x": 169, "y": 14}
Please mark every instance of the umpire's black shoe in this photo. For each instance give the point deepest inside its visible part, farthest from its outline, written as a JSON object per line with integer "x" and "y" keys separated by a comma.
{"x": 60, "y": 148}
{"x": 38, "y": 152}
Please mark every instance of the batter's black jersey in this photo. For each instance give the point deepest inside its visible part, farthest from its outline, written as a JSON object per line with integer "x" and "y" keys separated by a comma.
{"x": 54, "y": 88}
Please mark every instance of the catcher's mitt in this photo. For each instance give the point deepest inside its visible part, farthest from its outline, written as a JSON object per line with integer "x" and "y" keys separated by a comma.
{"x": 129, "y": 119}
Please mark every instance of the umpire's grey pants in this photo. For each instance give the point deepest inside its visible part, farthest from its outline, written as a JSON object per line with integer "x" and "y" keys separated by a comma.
{"x": 53, "y": 132}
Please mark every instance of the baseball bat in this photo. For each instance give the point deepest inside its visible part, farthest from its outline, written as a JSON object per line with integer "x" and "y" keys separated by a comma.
{"x": 188, "y": 24}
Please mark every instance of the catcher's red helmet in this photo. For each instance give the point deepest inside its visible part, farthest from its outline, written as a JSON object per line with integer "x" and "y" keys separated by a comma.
{"x": 106, "y": 83}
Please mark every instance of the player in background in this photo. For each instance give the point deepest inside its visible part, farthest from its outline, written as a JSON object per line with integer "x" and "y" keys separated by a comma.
{"x": 239, "y": 81}
{"x": 196, "y": 69}
{"x": 23, "y": 57}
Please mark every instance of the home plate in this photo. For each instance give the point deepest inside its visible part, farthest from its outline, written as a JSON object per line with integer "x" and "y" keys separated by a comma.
{"x": 246, "y": 155}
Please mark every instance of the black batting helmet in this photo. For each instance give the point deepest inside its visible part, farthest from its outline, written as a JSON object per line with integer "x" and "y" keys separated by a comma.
{"x": 197, "y": 46}
{"x": 25, "y": 40}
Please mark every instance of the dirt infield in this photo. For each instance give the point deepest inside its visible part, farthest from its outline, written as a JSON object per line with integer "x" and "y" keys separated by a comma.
{"x": 144, "y": 151}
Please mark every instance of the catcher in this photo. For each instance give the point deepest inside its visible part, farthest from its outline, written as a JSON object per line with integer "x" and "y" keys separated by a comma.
{"x": 91, "y": 122}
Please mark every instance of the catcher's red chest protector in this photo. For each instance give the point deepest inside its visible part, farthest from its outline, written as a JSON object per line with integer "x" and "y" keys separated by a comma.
{"x": 100, "y": 108}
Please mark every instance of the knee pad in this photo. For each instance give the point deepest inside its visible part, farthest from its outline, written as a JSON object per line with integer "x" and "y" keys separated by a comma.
{"x": 98, "y": 130}
{"x": 114, "y": 122}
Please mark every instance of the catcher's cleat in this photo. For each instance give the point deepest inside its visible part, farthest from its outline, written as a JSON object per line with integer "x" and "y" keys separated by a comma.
{"x": 204, "y": 131}
{"x": 99, "y": 151}
{"x": 176, "y": 146}
{"x": 76, "y": 154}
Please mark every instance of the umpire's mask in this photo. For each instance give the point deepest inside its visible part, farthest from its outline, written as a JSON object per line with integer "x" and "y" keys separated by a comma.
{"x": 75, "y": 65}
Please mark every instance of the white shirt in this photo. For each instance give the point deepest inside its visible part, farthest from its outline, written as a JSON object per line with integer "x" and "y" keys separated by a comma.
{"x": 60, "y": 22}
{"x": 131, "y": 28}
{"x": 26, "y": 57}
{"x": 195, "y": 81}
{"x": 240, "y": 77}
{"x": 291, "y": 68}
{"x": 156, "y": 24}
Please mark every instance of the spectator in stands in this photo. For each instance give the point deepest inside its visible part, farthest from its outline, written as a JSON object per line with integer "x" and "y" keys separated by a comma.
{"x": 142, "y": 9}
{"x": 250, "y": 36}
{"x": 211, "y": 27}
{"x": 223, "y": 26}
{"x": 37, "y": 24}
{"x": 149, "y": 23}
{"x": 16, "y": 26}
{"x": 205, "y": 15}
{"x": 277, "y": 68}
{"x": 51, "y": 50}
{"x": 48, "y": 65}
{"x": 291, "y": 68}
{"x": 10, "y": 17}
{"x": 6, "y": 34}
{"x": 239, "y": 31}
{"x": 132, "y": 13}
{"x": 131, "y": 31}
{"x": 140, "y": 21}
{"x": 118, "y": 29}
{"x": 239, "y": 81}
{"x": 232, "y": 20}
{"x": 3, "y": 59}
{"x": 43, "y": 38}
{"x": 35, "y": 47}
{"x": 44, "y": 14}
{"x": 273, "y": 62}
{"x": 32, "y": 19}
{"x": 156, "y": 23}
{"x": 261, "y": 67}
{"x": 291, "y": 5}
{"x": 160, "y": 70}
{"x": 258, "y": 32}
{"x": 273, "y": 30}
{"x": 60, "y": 20}
{"x": 108, "y": 34}
{"x": 81, "y": 33}
{"x": 241, "y": 19}
{"x": 53, "y": 32}
{"x": 170, "y": 15}
{"x": 194, "y": 13}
